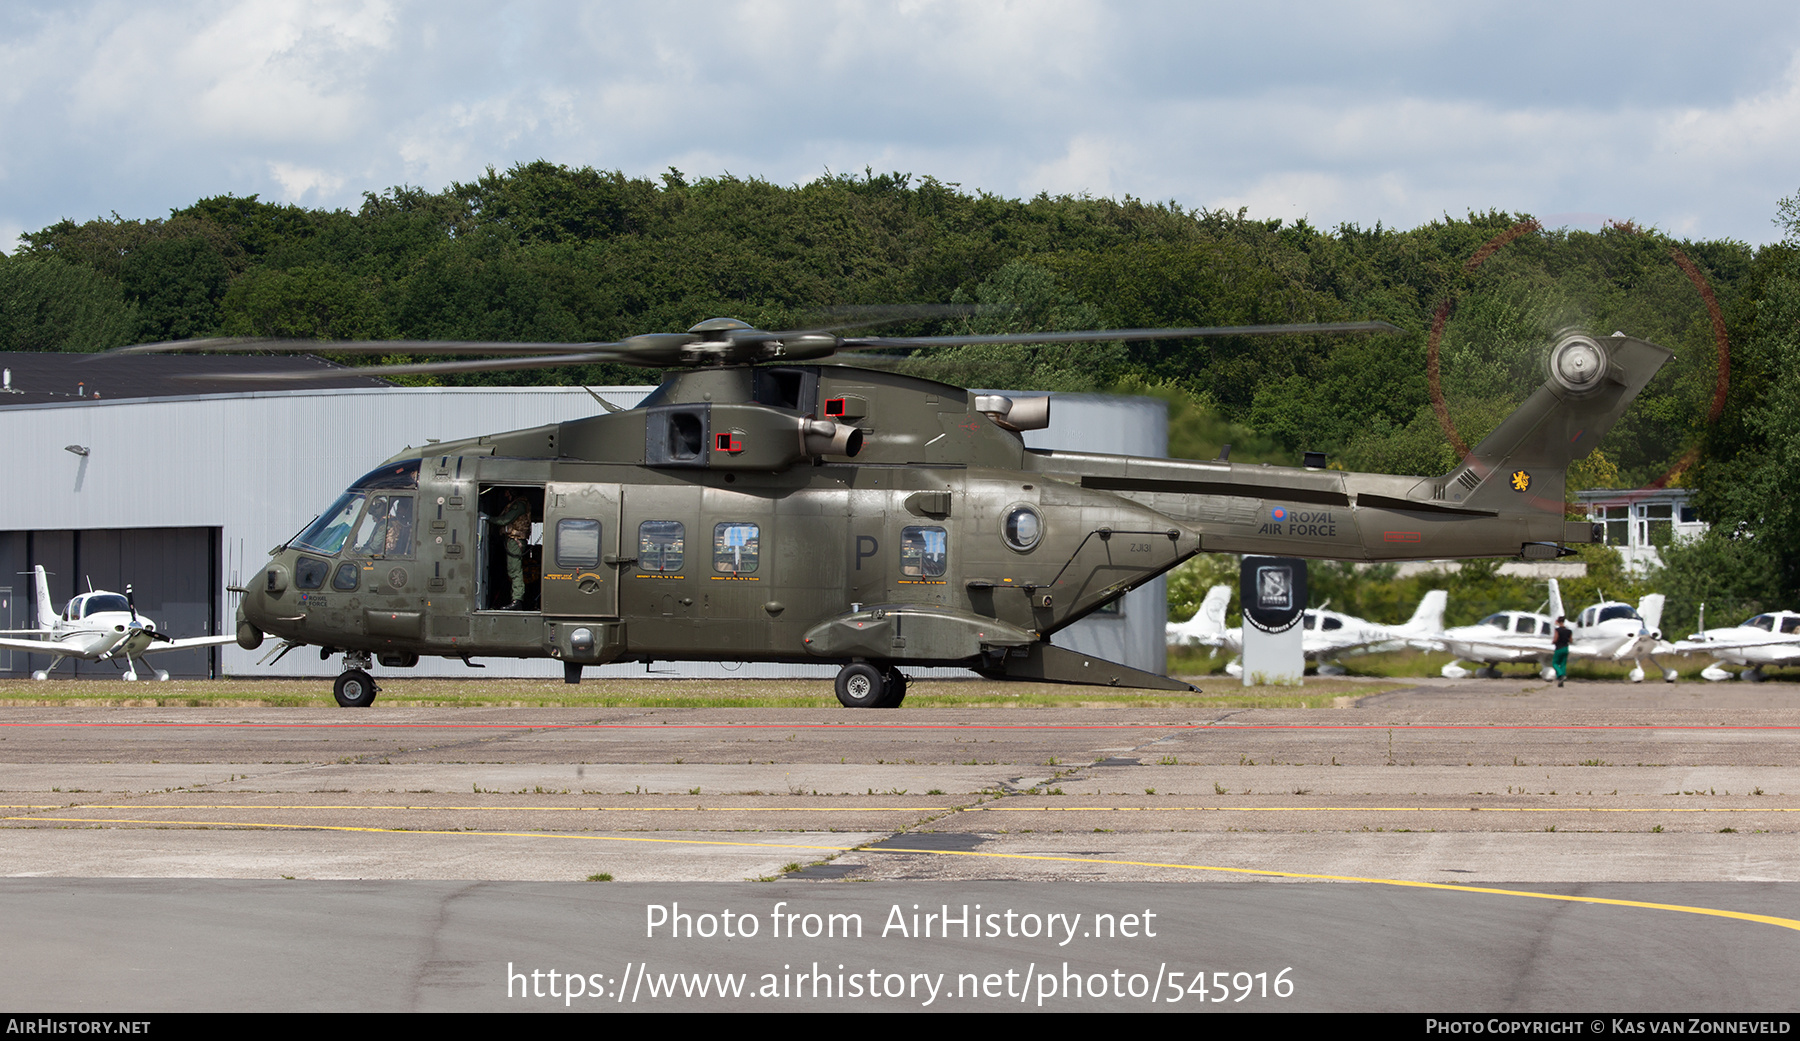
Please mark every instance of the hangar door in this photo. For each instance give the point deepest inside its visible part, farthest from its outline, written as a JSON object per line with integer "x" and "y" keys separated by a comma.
{"x": 173, "y": 572}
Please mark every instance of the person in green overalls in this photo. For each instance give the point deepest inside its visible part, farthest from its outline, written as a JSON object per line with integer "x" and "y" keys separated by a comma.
{"x": 515, "y": 521}
{"x": 1560, "y": 660}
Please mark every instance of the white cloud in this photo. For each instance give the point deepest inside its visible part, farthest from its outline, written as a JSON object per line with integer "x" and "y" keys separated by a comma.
{"x": 297, "y": 182}
{"x": 1394, "y": 112}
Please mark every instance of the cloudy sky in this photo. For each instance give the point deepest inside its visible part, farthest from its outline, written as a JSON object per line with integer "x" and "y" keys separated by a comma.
{"x": 1670, "y": 114}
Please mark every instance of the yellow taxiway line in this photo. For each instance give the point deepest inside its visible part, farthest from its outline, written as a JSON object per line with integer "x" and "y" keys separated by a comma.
{"x": 1711, "y": 912}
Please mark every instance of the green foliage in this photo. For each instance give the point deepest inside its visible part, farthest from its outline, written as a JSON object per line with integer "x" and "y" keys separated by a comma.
{"x": 317, "y": 303}
{"x": 1188, "y": 583}
{"x": 1732, "y": 576}
{"x": 48, "y": 305}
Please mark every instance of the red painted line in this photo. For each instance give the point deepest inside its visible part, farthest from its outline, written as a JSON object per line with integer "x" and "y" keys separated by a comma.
{"x": 1228, "y": 727}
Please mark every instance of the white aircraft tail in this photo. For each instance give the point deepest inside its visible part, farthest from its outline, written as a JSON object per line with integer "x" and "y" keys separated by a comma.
{"x": 46, "y": 611}
{"x": 1650, "y": 609}
{"x": 1556, "y": 604}
{"x": 1208, "y": 623}
{"x": 1428, "y": 617}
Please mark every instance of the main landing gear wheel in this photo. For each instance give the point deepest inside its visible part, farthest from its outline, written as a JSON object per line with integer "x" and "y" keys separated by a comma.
{"x": 896, "y": 688}
{"x": 861, "y": 685}
{"x": 355, "y": 689}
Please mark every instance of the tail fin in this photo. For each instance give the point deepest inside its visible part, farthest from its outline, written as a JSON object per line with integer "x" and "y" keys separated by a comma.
{"x": 1556, "y": 607}
{"x": 46, "y": 611}
{"x": 1650, "y": 609}
{"x": 1521, "y": 464}
{"x": 1428, "y": 617}
{"x": 1208, "y": 623}
{"x": 1212, "y": 609}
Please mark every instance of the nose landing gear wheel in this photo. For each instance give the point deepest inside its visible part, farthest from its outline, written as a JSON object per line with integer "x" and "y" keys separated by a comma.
{"x": 355, "y": 689}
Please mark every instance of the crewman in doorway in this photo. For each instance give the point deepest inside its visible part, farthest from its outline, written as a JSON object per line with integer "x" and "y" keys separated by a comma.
{"x": 515, "y": 522}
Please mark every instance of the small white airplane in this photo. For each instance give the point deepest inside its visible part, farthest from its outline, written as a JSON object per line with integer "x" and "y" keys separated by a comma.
{"x": 1495, "y": 640}
{"x": 97, "y": 626}
{"x": 1325, "y": 634}
{"x": 1768, "y": 640}
{"x": 1610, "y": 630}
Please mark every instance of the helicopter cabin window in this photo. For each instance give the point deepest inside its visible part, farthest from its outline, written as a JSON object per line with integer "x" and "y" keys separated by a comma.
{"x": 736, "y": 545}
{"x": 309, "y": 572}
{"x": 1023, "y": 527}
{"x": 344, "y": 580}
{"x": 660, "y": 546}
{"x": 923, "y": 553}
{"x": 387, "y": 528}
{"x": 577, "y": 543}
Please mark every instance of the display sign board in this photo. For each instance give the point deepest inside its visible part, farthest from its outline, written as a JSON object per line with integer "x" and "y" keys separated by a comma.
{"x": 1273, "y": 593}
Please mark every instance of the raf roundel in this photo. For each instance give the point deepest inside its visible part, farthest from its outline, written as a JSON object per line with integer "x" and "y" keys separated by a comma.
{"x": 1278, "y": 513}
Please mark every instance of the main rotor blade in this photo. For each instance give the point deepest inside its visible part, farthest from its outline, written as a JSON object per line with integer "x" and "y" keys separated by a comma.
{"x": 277, "y": 345}
{"x": 423, "y": 368}
{"x": 864, "y": 316}
{"x": 1113, "y": 335}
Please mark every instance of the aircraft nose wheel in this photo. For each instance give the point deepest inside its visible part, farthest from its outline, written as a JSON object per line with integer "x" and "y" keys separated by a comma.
{"x": 355, "y": 689}
{"x": 861, "y": 685}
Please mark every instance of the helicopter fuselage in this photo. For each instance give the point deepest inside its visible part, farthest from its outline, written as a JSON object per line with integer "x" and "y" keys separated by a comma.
{"x": 834, "y": 514}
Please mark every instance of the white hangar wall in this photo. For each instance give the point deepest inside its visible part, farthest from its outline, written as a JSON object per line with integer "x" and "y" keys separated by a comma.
{"x": 257, "y": 467}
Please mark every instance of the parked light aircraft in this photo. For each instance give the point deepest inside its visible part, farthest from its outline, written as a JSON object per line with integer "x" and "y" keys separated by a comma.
{"x": 1609, "y": 631}
{"x": 1765, "y": 641}
{"x": 97, "y": 625}
{"x": 1326, "y": 634}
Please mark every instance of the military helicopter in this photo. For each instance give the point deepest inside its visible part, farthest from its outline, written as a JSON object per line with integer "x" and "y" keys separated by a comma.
{"x": 757, "y": 508}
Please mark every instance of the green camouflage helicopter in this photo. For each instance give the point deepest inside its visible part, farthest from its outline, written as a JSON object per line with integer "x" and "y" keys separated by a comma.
{"x": 756, "y": 508}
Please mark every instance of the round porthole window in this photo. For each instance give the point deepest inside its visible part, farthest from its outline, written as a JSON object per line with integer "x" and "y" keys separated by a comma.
{"x": 1023, "y": 527}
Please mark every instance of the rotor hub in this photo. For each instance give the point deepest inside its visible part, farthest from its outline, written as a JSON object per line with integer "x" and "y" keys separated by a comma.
{"x": 1577, "y": 363}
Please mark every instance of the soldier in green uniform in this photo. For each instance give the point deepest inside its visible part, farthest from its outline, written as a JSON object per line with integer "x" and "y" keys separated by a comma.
{"x": 515, "y": 522}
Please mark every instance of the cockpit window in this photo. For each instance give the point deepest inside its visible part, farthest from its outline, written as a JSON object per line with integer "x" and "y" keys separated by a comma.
{"x": 1495, "y": 621}
{"x": 1765, "y": 622}
{"x": 403, "y": 474}
{"x": 386, "y": 530}
{"x": 1607, "y": 614}
{"x": 326, "y": 535}
{"x": 104, "y": 602}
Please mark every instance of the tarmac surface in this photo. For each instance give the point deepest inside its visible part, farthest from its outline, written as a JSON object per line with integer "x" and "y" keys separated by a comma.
{"x": 1420, "y": 805}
